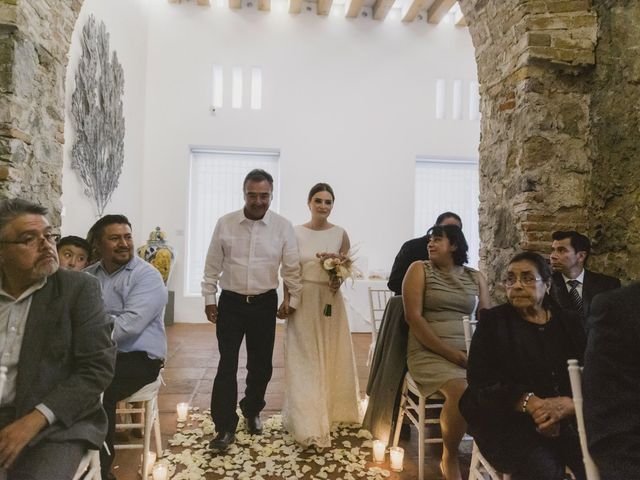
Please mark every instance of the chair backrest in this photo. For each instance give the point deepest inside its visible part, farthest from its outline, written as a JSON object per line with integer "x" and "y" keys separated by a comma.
{"x": 469, "y": 326}
{"x": 575, "y": 377}
{"x": 3, "y": 379}
{"x": 378, "y": 298}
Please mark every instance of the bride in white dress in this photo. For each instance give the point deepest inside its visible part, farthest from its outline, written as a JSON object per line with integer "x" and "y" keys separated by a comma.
{"x": 321, "y": 385}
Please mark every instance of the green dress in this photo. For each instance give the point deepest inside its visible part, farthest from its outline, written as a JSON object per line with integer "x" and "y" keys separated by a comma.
{"x": 447, "y": 298}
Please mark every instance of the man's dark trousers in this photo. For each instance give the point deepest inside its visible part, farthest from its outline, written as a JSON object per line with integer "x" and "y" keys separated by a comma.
{"x": 238, "y": 318}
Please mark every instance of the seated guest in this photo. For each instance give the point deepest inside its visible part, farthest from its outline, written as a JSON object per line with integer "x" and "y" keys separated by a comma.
{"x": 135, "y": 296}
{"x": 414, "y": 250}
{"x": 611, "y": 383}
{"x": 437, "y": 293}
{"x": 56, "y": 344}
{"x": 73, "y": 253}
{"x": 573, "y": 285}
{"x": 518, "y": 404}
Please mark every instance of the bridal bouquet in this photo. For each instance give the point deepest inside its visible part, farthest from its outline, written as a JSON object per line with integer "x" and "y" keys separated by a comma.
{"x": 339, "y": 267}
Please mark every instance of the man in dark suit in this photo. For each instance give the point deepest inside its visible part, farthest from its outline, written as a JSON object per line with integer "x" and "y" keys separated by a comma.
{"x": 573, "y": 286}
{"x": 55, "y": 341}
{"x": 415, "y": 249}
{"x": 611, "y": 383}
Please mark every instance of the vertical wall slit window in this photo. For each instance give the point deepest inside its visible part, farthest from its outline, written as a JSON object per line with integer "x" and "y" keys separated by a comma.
{"x": 448, "y": 185}
{"x": 215, "y": 189}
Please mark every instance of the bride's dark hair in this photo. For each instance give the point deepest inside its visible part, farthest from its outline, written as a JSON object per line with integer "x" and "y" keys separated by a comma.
{"x": 321, "y": 187}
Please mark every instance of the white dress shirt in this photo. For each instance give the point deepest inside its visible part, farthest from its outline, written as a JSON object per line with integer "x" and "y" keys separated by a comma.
{"x": 244, "y": 256}
{"x": 579, "y": 278}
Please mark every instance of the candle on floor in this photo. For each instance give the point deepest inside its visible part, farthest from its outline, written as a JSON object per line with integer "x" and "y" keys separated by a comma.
{"x": 183, "y": 410}
{"x": 160, "y": 472}
{"x": 397, "y": 458}
{"x": 378, "y": 451}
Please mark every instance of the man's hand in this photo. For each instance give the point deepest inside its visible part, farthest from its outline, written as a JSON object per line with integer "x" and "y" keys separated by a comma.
{"x": 16, "y": 435}
{"x": 211, "y": 311}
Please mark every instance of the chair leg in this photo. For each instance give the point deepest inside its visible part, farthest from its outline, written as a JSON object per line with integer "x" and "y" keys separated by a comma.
{"x": 422, "y": 405}
{"x": 156, "y": 429}
{"x": 148, "y": 424}
{"x": 401, "y": 409}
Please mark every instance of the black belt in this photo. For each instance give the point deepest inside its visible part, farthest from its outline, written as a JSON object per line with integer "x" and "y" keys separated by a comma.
{"x": 250, "y": 299}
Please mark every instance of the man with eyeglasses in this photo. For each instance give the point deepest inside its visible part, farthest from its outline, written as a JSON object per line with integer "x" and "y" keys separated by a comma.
{"x": 55, "y": 342}
{"x": 573, "y": 286}
{"x": 135, "y": 295}
{"x": 247, "y": 248}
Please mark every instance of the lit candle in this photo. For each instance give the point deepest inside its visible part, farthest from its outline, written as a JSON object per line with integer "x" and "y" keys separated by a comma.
{"x": 160, "y": 472}
{"x": 397, "y": 457}
{"x": 378, "y": 451}
{"x": 183, "y": 410}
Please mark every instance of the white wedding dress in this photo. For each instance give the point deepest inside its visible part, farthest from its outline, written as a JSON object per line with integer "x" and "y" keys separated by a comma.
{"x": 320, "y": 373}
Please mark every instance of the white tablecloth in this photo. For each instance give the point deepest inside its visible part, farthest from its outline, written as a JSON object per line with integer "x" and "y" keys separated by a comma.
{"x": 356, "y": 298}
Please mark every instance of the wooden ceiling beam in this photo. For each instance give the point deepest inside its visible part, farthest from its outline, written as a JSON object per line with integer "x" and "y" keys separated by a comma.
{"x": 323, "y": 7}
{"x": 295, "y": 6}
{"x": 264, "y": 5}
{"x": 204, "y": 3}
{"x": 381, "y": 9}
{"x": 438, "y": 10}
{"x": 411, "y": 10}
{"x": 235, "y": 4}
{"x": 353, "y": 8}
{"x": 175, "y": 1}
{"x": 460, "y": 21}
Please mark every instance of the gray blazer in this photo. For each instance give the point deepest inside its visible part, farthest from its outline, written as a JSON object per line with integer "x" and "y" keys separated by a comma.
{"x": 67, "y": 358}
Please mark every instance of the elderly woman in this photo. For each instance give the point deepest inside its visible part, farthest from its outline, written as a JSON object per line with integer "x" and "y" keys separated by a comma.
{"x": 437, "y": 293}
{"x": 518, "y": 404}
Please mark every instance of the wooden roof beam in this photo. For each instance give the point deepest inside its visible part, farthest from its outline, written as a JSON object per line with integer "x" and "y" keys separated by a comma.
{"x": 295, "y": 6}
{"x": 264, "y": 5}
{"x": 381, "y": 9}
{"x": 353, "y": 8}
{"x": 235, "y": 4}
{"x": 323, "y": 7}
{"x": 438, "y": 10}
{"x": 204, "y": 3}
{"x": 411, "y": 10}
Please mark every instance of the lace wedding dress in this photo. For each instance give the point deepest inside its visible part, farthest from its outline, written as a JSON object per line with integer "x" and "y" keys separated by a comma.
{"x": 321, "y": 382}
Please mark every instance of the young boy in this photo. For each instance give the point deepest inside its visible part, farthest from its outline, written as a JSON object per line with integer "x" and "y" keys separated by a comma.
{"x": 73, "y": 252}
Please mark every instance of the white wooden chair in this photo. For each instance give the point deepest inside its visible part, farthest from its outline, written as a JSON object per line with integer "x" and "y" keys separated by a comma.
{"x": 575, "y": 377}
{"x": 378, "y": 299}
{"x": 148, "y": 396}
{"x": 479, "y": 468}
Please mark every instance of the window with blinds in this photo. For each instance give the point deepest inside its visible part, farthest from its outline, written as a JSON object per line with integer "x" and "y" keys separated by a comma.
{"x": 444, "y": 185}
{"x": 215, "y": 189}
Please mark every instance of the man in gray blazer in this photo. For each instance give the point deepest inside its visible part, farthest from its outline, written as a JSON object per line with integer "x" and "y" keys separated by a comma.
{"x": 55, "y": 341}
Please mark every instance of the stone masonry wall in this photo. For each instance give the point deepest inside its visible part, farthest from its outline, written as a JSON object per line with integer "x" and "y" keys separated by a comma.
{"x": 534, "y": 62}
{"x": 34, "y": 41}
{"x": 615, "y": 126}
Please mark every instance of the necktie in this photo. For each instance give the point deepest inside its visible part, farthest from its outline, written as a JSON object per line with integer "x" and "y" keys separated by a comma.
{"x": 576, "y": 299}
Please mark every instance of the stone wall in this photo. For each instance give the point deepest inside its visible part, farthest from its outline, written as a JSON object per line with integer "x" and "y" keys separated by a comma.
{"x": 615, "y": 126}
{"x": 534, "y": 59}
{"x": 34, "y": 41}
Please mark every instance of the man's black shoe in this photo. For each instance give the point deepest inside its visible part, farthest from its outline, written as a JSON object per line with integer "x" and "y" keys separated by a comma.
{"x": 254, "y": 425}
{"x": 222, "y": 441}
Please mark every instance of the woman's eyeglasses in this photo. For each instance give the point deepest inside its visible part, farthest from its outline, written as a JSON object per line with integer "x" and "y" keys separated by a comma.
{"x": 526, "y": 280}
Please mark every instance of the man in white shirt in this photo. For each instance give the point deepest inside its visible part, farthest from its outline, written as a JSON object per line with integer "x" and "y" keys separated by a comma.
{"x": 247, "y": 248}
{"x": 573, "y": 286}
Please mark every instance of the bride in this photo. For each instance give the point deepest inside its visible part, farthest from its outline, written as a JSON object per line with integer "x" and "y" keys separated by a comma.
{"x": 321, "y": 384}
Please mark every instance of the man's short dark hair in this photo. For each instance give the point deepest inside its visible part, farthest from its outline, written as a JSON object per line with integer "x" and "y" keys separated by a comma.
{"x": 96, "y": 231}
{"x": 579, "y": 242}
{"x": 443, "y": 216}
{"x": 74, "y": 242}
{"x": 258, "y": 175}
{"x": 456, "y": 237}
{"x": 14, "y": 207}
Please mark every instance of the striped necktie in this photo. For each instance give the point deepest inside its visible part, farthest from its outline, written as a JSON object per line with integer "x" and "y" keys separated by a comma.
{"x": 576, "y": 299}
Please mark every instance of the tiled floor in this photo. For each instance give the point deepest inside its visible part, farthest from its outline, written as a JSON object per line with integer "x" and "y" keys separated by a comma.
{"x": 189, "y": 373}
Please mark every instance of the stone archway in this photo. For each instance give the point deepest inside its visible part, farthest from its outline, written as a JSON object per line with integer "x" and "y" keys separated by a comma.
{"x": 557, "y": 149}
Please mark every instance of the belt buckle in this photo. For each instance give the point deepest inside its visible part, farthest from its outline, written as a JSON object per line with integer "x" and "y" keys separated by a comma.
{"x": 248, "y": 298}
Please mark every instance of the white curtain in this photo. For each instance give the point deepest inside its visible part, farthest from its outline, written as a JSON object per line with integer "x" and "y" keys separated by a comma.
{"x": 448, "y": 186}
{"x": 215, "y": 188}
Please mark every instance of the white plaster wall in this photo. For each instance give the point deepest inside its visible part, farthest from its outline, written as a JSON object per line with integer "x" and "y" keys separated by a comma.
{"x": 349, "y": 102}
{"x": 126, "y": 22}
